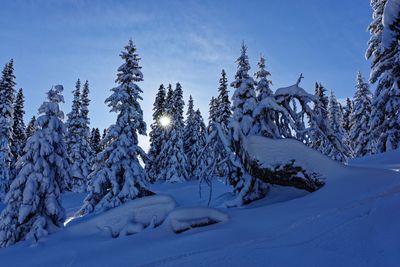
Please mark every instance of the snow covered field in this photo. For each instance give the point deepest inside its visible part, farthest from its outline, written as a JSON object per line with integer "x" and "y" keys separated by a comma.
{"x": 352, "y": 221}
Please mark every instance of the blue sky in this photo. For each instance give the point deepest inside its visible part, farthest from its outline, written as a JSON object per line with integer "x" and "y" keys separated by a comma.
{"x": 56, "y": 42}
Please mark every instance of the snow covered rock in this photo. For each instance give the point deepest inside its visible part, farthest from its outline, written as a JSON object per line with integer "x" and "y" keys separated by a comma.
{"x": 286, "y": 162}
{"x": 131, "y": 217}
{"x": 274, "y": 151}
{"x": 183, "y": 219}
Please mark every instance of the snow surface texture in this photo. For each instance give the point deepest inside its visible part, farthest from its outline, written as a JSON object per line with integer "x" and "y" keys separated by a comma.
{"x": 352, "y": 221}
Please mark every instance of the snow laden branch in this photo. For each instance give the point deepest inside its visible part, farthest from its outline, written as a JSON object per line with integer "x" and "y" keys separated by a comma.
{"x": 291, "y": 115}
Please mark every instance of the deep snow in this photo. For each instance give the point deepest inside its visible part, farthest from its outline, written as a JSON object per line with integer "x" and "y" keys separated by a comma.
{"x": 353, "y": 220}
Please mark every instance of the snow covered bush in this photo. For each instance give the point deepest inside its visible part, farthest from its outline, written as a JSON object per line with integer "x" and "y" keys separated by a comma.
{"x": 118, "y": 176}
{"x": 33, "y": 202}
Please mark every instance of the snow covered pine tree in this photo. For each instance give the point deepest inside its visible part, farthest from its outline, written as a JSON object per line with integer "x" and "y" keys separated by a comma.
{"x": 78, "y": 148}
{"x": 19, "y": 136}
{"x": 384, "y": 53}
{"x": 173, "y": 161}
{"x": 223, "y": 113}
{"x": 194, "y": 139}
{"x": 7, "y": 92}
{"x": 336, "y": 126}
{"x": 95, "y": 141}
{"x": 244, "y": 101}
{"x": 157, "y": 133}
{"x": 33, "y": 203}
{"x": 360, "y": 116}
{"x": 119, "y": 177}
{"x": 265, "y": 122}
{"x": 347, "y": 111}
{"x": 31, "y": 127}
{"x": 320, "y": 110}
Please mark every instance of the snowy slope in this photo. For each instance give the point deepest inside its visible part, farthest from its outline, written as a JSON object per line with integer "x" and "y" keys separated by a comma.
{"x": 352, "y": 221}
{"x": 387, "y": 160}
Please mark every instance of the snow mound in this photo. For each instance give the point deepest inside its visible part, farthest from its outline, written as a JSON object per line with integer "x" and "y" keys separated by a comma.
{"x": 132, "y": 217}
{"x": 270, "y": 152}
{"x": 184, "y": 219}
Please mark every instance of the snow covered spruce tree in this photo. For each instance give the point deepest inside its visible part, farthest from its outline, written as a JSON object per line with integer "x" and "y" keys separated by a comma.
{"x": 263, "y": 85}
{"x": 73, "y": 118}
{"x": 78, "y": 147}
{"x": 30, "y": 128}
{"x": 34, "y": 206}
{"x": 212, "y": 110}
{"x": 157, "y": 133}
{"x": 194, "y": 139}
{"x": 85, "y": 101}
{"x": 199, "y": 145}
{"x": 7, "y": 91}
{"x": 95, "y": 141}
{"x": 173, "y": 161}
{"x": 347, "y": 111}
{"x": 19, "y": 135}
{"x": 244, "y": 97}
{"x": 220, "y": 112}
{"x": 360, "y": 124}
{"x": 321, "y": 113}
{"x": 190, "y": 138}
{"x": 223, "y": 104}
{"x": 244, "y": 101}
{"x": 383, "y": 52}
{"x": 336, "y": 126}
{"x": 168, "y": 98}
{"x": 265, "y": 122}
{"x": 118, "y": 177}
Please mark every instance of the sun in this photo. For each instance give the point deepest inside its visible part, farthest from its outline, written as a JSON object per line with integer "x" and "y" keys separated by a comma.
{"x": 164, "y": 121}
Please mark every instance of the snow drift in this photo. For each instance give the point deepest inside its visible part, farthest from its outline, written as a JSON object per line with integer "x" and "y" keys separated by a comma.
{"x": 184, "y": 219}
{"x": 130, "y": 218}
